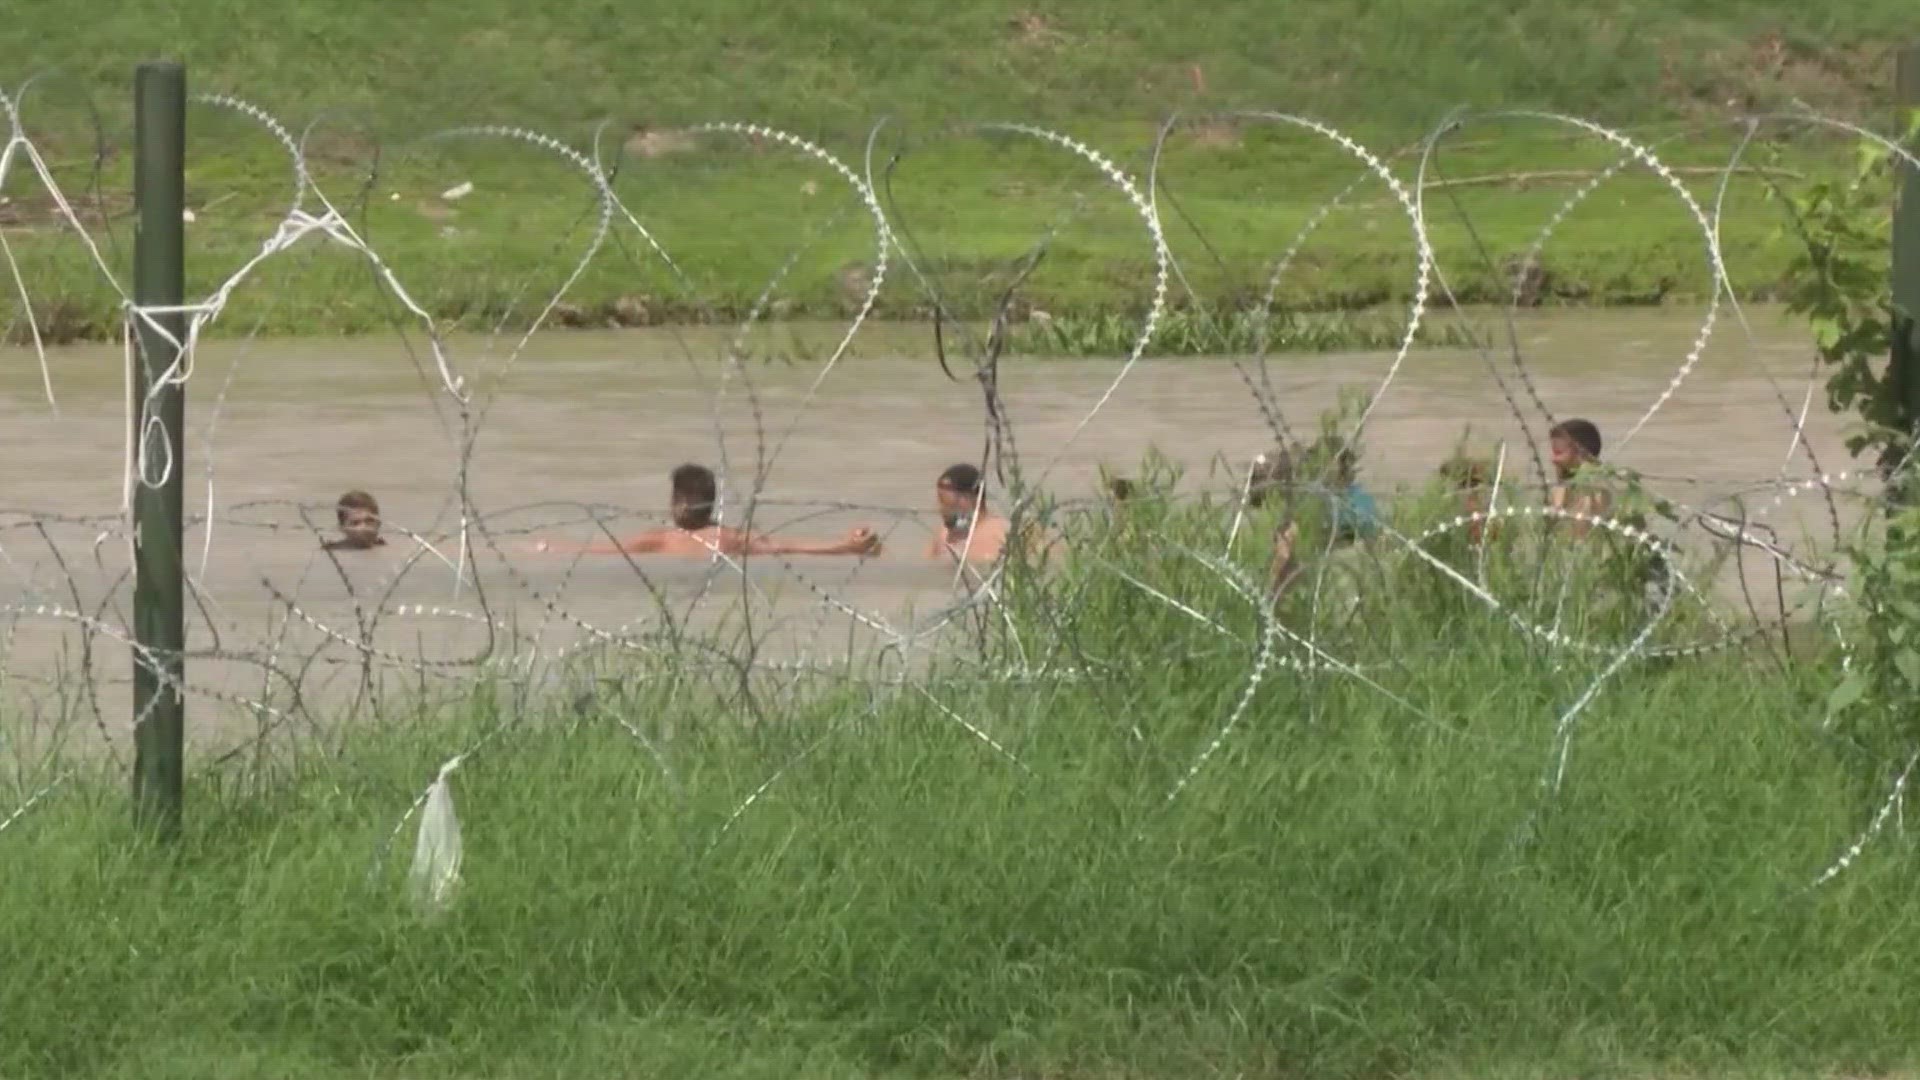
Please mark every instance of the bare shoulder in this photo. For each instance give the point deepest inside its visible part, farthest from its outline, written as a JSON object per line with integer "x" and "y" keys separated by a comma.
{"x": 727, "y": 540}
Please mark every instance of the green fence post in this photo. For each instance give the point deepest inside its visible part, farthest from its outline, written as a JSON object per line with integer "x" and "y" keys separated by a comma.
{"x": 1904, "y": 364}
{"x": 159, "y": 418}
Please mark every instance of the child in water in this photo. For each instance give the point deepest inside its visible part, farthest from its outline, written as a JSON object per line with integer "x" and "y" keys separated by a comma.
{"x": 1581, "y": 490}
{"x": 1352, "y": 513}
{"x": 1355, "y": 515}
{"x": 358, "y": 515}
{"x": 1470, "y": 479}
{"x": 1575, "y": 448}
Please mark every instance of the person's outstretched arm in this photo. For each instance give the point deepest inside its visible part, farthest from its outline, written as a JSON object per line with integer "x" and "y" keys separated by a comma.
{"x": 1283, "y": 569}
{"x": 861, "y": 541}
{"x": 645, "y": 543}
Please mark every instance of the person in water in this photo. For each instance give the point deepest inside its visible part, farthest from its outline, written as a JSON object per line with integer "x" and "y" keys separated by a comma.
{"x": 358, "y": 515}
{"x": 1575, "y": 448}
{"x": 967, "y": 529}
{"x": 1277, "y": 475}
{"x": 1355, "y": 515}
{"x": 694, "y": 492}
{"x": 1270, "y": 477}
{"x": 1470, "y": 480}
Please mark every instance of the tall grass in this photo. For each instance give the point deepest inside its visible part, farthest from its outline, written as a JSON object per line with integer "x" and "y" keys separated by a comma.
{"x": 1368, "y": 877}
{"x": 1190, "y": 332}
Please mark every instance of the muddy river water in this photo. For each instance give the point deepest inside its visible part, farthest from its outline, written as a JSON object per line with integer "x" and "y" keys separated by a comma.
{"x": 599, "y": 418}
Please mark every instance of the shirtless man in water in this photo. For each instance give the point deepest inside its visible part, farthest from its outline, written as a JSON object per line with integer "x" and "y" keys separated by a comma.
{"x": 965, "y": 525}
{"x": 695, "y": 491}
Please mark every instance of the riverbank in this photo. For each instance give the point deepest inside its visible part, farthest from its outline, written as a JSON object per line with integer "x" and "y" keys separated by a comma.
{"x": 1367, "y": 879}
{"x": 483, "y": 230}
{"x": 491, "y": 233}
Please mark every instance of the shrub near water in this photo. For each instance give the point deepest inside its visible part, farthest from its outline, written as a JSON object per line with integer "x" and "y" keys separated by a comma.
{"x": 1368, "y": 876}
{"x": 1189, "y": 332}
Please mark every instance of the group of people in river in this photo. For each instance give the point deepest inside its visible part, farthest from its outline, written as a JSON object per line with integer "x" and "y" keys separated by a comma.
{"x": 969, "y": 532}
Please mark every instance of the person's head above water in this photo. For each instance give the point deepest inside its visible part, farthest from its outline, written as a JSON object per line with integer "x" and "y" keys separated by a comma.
{"x": 957, "y": 493}
{"x": 695, "y": 491}
{"x": 359, "y": 517}
{"x": 1573, "y": 443}
{"x": 1464, "y": 473}
{"x": 1338, "y": 463}
{"x": 1272, "y": 473}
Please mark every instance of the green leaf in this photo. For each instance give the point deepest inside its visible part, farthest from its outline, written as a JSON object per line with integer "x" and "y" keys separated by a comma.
{"x": 1907, "y": 663}
{"x": 1868, "y": 156}
{"x": 1826, "y": 333}
{"x": 1847, "y": 694}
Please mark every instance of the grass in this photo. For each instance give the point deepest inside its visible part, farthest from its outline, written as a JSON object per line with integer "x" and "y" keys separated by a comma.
{"x": 818, "y": 67}
{"x": 1367, "y": 878}
{"x": 1364, "y": 880}
{"x": 733, "y": 214}
{"x": 1189, "y": 332}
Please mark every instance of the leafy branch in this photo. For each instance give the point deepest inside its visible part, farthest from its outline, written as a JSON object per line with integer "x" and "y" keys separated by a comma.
{"x": 1840, "y": 281}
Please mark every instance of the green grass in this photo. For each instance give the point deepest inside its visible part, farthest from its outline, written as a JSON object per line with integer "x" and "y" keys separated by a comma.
{"x": 835, "y": 64}
{"x": 1190, "y": 332}
{"x": 1353, "y": 886}
{"x": 731, "y": 217}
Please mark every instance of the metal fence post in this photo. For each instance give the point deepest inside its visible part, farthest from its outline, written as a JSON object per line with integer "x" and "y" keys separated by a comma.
{"x": 159, "y": 418}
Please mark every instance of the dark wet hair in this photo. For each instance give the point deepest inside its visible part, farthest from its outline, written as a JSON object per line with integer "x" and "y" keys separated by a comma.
{"x": 1466, "y": 472}
{"x": 1273, "y": 471}
{"x": 354, "y": 500}
{"x": 962, "y": 478}
{"x": 1337, "y": 457}
{"x": 1580, "y": 433}
{"x": 694, "y": 493}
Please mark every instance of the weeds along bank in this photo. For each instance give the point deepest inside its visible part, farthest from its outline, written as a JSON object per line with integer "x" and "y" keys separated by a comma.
{"x": 349, "y": 83}
{"x": 484, "y": 232}
{"x": 1103, "y": 834}
{"x": 500, "y": 221}
{"x": 905, "y": 897}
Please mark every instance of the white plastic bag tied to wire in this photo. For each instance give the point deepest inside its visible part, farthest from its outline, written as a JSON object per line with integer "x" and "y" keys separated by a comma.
{"x": 437, "y": 848}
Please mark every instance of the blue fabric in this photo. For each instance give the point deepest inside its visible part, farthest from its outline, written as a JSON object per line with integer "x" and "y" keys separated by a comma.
{"x": 1354, "y": 514}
